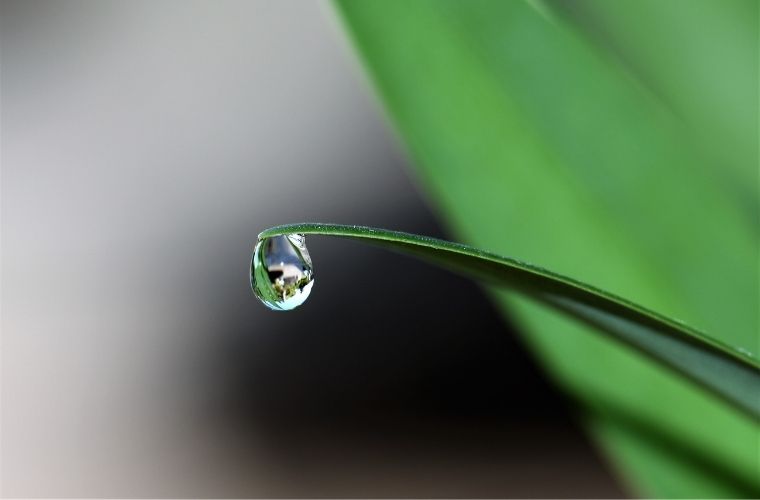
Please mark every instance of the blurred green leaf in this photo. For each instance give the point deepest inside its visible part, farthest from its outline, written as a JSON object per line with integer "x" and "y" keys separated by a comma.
{"x": 535, "y": 139}
{"x": 700, "y": 58}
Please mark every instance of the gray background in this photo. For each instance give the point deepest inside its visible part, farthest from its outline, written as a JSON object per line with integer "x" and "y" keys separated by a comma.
{"x": 144, "y": 145}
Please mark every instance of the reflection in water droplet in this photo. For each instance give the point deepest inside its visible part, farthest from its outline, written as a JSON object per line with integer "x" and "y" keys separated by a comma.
{"x": 281, "y": 272}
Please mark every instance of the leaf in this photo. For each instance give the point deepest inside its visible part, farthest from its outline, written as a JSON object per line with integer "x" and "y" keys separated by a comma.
{"x": 729, "y": 373}
{"x": 534, "y": 141}
{"x": 713, "y": 86}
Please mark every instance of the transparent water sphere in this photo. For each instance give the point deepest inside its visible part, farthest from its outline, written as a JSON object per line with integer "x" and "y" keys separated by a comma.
{"x": 281, "y": 272}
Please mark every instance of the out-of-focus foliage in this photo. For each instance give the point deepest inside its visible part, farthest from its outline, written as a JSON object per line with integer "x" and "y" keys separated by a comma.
{"x": 615, "y": 142}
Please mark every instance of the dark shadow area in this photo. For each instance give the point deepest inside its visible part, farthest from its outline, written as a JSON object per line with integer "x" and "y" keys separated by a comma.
{"x": 394, "y": 379}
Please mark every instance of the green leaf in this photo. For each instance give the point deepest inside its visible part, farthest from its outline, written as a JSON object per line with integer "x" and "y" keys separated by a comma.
{"x": 533, "y": 140}
{"x": 729, "y": 373}
{"x": 700, "y": 58}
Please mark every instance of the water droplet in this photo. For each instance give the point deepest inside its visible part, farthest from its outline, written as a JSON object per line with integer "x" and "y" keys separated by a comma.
{"x": 281, "y": 272}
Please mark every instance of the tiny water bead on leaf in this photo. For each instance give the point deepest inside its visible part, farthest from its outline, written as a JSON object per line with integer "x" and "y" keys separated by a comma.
{"x": 281, "y": 272}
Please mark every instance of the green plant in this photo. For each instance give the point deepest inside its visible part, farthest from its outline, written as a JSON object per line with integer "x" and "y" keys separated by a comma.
{"x": 615, "y": 142}
{"x": 727, "y": 372}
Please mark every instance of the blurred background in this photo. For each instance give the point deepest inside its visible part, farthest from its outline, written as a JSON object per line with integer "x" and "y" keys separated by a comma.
{"x": 144, "y": 146}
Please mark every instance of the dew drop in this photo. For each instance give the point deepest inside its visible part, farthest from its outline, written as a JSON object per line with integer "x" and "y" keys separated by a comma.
{"x": 281, "y": 272}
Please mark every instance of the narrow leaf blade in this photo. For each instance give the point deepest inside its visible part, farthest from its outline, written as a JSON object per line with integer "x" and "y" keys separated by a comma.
{"x": 728, "y": 373}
